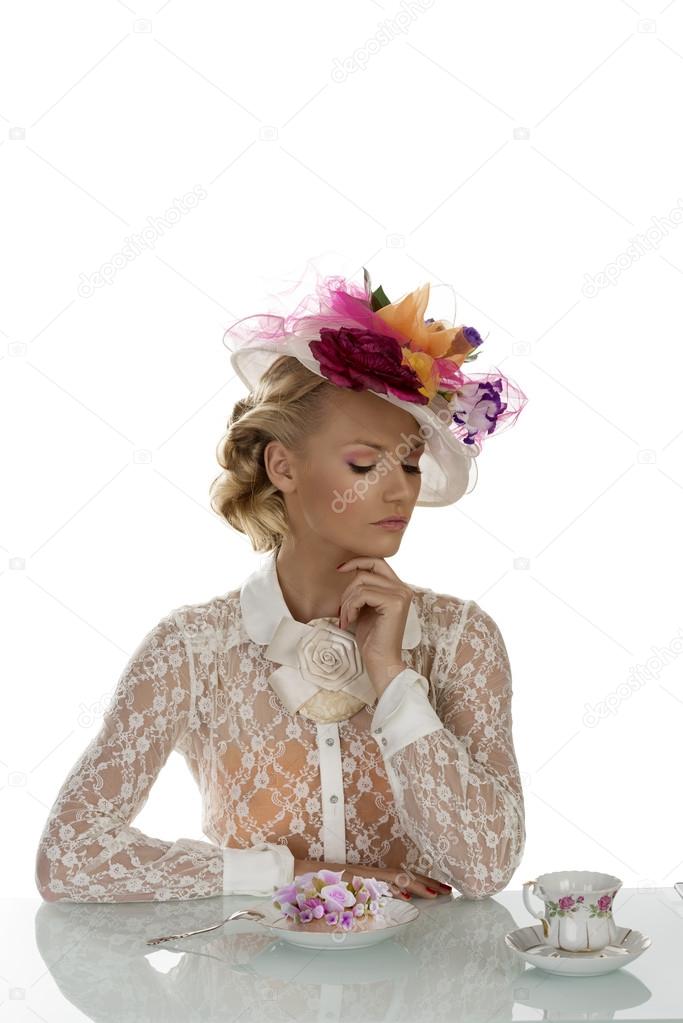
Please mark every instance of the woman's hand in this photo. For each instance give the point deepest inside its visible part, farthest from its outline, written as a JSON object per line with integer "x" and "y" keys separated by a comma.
{"x": 378, "y": 602}
{"x": 403, "y": 883}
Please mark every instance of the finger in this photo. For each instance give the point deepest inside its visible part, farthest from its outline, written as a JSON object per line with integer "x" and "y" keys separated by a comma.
{"x": 377, "y": 566}
{"x": 431, "y": 881}
{"x": 373, "y": 596}
{"x": 421, "y": 884}
{"x": 366, "y": 578}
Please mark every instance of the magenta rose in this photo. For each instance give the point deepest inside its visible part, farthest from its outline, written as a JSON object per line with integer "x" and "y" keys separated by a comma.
{"x": 365, "y": 360}
{"x": 566, "y": 902}
{"x": 604, "y": 902}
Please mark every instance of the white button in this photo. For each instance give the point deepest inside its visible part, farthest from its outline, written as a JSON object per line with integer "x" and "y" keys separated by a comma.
{"x": 384, "y": 741}
{"x": 334, "y": 799}
{"x": 330, "y": 742}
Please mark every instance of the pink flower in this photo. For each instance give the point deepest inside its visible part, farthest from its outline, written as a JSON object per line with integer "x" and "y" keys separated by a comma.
{"x": 566, "y": 902}
{"x": 365, "y": 360}
{"x": 337, "y": 896}
{"x": 604, "y": 902}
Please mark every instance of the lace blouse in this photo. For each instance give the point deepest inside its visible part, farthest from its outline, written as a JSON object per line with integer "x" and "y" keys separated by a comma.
{"x": 423, "y": 779}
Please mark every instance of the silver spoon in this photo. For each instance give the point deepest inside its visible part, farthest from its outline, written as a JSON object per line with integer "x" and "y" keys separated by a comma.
{"x": 233, "y": 916}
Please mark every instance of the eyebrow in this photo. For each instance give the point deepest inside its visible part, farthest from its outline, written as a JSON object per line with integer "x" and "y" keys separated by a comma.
{"x": 378, "y": 447}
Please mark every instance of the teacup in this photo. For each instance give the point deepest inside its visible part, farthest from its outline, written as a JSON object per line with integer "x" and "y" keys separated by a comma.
{"x": 577, "y": 913}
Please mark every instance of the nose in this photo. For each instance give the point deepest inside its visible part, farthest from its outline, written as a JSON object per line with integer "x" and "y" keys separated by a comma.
{"x": 397, "y": 488}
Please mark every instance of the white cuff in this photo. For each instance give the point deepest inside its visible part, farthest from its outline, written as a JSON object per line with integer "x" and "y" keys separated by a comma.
{"x": 403, "y": 712}
{"x": 259, "y": 870}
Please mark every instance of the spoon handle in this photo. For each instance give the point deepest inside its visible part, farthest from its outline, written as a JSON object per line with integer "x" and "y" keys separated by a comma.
{"x": 202, "y": 930}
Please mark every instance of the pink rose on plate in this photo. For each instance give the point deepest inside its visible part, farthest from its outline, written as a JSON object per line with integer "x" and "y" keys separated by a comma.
{"x": 329, "y": 657}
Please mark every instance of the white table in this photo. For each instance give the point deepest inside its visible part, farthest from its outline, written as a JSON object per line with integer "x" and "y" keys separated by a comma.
{"x": 68, "y": 961}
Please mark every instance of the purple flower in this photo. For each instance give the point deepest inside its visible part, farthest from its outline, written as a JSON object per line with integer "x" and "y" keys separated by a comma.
{"x": 566, "y": 902}
{"x": 347, "y": 920}
{"x": 365, "y": 360}
{"x": 328, "y": 876}
{"x": 376, "y": 888}
{"x": 604, "y": 902}
{"x": 338, "y": 894}
{"x": 472, "y": 336}
{"x": 477, "y": 405}
{"x": 332, "y": 917}
{"x": 285, "y": 894}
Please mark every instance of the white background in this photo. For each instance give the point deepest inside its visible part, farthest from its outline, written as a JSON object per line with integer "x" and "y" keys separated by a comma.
{"x": 514, "y": 151}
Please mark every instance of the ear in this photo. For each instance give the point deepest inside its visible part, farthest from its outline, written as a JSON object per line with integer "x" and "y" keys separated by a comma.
{"x": 277, "y": 463}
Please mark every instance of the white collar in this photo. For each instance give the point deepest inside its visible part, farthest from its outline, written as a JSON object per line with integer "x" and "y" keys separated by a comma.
{"x": 263, "y": 607}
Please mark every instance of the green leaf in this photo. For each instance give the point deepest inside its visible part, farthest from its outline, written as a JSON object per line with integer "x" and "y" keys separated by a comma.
{"x": 379, "y": 299}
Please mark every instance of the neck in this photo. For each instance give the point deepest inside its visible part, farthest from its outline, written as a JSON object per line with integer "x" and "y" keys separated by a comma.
{"x": 308, "y": 578}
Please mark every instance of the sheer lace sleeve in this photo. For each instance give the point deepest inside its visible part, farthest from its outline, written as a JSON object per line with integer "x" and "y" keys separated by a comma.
{"x": 88, "y": 851}
{"x": 457, "y": 785}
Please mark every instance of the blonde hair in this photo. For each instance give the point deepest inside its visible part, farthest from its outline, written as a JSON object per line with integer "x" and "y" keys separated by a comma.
{"x": 287, "y": 405}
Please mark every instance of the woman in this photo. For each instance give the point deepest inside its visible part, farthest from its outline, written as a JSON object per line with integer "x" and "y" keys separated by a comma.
{"x": 330, "y": 712}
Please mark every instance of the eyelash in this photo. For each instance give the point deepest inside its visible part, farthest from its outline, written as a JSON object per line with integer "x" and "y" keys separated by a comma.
{"x": 410, "y": 469}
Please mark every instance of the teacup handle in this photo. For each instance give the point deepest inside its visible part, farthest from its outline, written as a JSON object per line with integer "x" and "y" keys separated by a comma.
{"x": 527, "y": 902}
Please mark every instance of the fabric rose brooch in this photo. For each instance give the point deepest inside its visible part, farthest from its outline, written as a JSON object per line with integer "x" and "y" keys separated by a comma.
{"x": 322, "y": 675}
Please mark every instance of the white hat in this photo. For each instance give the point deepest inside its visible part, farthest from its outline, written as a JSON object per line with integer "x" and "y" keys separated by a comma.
{"x": 356, "y": 338}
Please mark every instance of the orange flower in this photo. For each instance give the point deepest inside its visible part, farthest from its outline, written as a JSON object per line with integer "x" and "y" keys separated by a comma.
{"x": 407, "y": 317}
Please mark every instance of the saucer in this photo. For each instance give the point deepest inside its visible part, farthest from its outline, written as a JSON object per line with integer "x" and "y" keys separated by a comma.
{"x": 528, "y": 943}
{"x": 397, "y": 914}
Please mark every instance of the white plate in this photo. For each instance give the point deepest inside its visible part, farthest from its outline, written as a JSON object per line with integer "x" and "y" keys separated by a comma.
{"x": 397, "y": 915}
{"x": 583, "y": 964}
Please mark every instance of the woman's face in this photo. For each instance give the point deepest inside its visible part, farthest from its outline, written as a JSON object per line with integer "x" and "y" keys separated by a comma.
{"x": 343, "y": 485}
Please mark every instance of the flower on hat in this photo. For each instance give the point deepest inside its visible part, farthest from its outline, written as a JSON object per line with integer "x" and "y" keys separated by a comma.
{"x": 477, "y": 406}
{"x": 364, "y": 360}
{"x": 364, "y": 341}
{"x": 407, "y": 317}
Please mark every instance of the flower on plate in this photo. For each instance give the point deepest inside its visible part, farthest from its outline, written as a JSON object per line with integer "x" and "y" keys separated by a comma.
{"x": 322, "y": 893}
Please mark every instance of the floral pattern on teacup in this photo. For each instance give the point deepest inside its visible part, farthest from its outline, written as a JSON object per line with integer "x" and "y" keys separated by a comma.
{"x": 568, "y": 904}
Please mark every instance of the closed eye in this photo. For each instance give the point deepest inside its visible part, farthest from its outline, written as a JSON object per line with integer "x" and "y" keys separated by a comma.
{"x": 414, "y": 469}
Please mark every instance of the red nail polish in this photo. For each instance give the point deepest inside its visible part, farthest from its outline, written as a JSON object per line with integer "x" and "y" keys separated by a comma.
{"x": 432, "y": 890}
{"x": 408, "y": 895}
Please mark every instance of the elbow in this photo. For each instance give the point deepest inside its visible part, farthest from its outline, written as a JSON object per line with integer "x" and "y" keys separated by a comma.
{"x": 43, "y": 879}
{"x": 493, "y": 878}
{"x": 483, "y": 891}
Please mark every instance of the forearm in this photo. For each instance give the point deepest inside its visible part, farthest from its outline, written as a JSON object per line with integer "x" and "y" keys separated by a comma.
{"x": 467, "y": 821}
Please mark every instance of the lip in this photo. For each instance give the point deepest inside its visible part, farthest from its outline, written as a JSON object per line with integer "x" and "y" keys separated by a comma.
{"x": 396, "y": 523}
